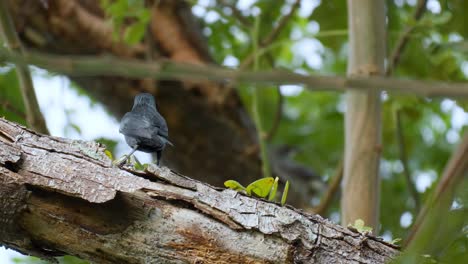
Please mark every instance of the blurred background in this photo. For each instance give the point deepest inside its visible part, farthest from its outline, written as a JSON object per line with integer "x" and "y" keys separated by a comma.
{"x": 213, "y": 125}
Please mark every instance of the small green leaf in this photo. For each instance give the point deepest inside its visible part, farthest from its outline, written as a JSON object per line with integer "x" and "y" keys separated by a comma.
{"x": 273, "y": 190}
{"x": 109, "y": 154}
{"x": 134, "y": 33}
{"x": 360, "y": 226}
{"x": 285, "y": 193}
{"x": 144, "y": 15}
{"x": 234, "y": 185}
{"x": 76, "y": 128}
{"x": 136, "y": 163}
{"x": 260, "y": 187}
{"x": 395, "y": 241}
{"x": 118, "y": 8}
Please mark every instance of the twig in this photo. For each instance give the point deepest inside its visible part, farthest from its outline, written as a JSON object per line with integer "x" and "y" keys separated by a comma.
{"x": 404, "y": 160}
{"x": 327, "y": 198}
{"x": 281, "y": 24}
{"x": 404, "y": 38}
{"x": 266, "y": 170}
{"x": 34, "y": 117}
{"x": 236, "y": 13}
{"x": 273, "y": 34}
{"x": 278, "y": 114}
{"x": 279, "y": 109}
{"x": 166, "y": 69}
{"x": 454, "y": 172}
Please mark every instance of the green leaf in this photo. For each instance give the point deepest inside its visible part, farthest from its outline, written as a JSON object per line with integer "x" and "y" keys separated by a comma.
{"x": 118, "y": 8}
{"x": 273, "y": 190}
{"x": 109, "y": 154}
{"x": 285, "y": 193}
{"x": 136, "y": 163}
{"x": 395, "y": 241}
{"x": 134, "y": 33}
{"x": 360, "y": 226}
{"x": 76, "y": 128}
{"x": 234, "y": 185}
{"x": 109, "y": 143}
{"x": 260, "y": 187}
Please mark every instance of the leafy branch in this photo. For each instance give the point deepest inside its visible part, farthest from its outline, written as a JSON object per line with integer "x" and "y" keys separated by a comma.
{"x": 404, "y": 38}
{"x": 268, "y": 40}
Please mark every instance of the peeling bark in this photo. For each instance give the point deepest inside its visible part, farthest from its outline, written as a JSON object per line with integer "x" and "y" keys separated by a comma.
{"x": 61, "y": 196}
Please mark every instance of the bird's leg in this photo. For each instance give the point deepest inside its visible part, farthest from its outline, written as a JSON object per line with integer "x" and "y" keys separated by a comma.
{"x": 119, "y": 164}
{"x": 158, "y": 156}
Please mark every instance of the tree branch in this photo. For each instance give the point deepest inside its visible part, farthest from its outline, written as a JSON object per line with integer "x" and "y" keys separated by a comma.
{"x": 363, "y": 126}
{"x": 441, "y": 199}
{"x": 404, "y": 38}
{"x": 404, "y": 160}
{"x": 236, "y": 13}
{"x": 61, "y": 196}
{"x": 327, "y": 198}
{"x": 34, "y": 117}
{"x": 165, "y": 69}
{"x": 278, "y": 115}
{"x": 273, "y": 34}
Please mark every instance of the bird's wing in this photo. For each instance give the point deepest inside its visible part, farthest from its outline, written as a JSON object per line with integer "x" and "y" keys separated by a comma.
{"x": 161, "y": 124}
{"x": 135, "y": 126}
{"x": 163, "y": 131}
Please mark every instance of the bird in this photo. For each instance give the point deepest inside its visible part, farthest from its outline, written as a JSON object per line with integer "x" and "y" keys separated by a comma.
{"x": 144, "y": 128}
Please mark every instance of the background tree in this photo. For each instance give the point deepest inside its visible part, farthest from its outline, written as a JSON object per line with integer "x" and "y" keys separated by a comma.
{"x": 426, "y": 40}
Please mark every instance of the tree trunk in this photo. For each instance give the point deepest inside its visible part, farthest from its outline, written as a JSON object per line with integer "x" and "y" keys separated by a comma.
{"x": 61, "y": 196}
{"x": 360, "y": 199}
{"x": 207, "y": 122}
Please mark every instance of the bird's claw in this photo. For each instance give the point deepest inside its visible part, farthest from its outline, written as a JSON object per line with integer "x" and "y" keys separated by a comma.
{"x": 121, "y": 161}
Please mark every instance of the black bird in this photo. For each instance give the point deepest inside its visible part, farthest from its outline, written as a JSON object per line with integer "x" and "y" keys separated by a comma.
{"x": 144, "y": 128}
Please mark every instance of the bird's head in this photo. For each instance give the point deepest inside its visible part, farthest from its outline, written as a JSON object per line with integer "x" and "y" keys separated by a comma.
{"x": 144, "y": 99}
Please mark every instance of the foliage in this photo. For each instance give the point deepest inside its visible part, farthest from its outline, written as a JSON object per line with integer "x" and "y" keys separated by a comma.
{"x": 262, "y": 188}
{"x": 360, "y": 226}
{"x": 129, "y": 16}
{"x": 11, "y": 103}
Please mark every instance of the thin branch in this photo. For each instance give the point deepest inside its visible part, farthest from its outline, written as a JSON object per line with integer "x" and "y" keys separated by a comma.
{"x": 404, "y": 160}
{"x": 34, "y": 117}
{"x": 454, "y": 172}
{"x": 327, "y": 198}
{"x": 278, "y": 114}
{"x": 166, "y": 69}
{"x": 273, "y": 34}
{"x": 281, "y": 24}
{"x": 405, "y": 37}
{"x": 279, "y": 109}
{"x": 236, "y": 13}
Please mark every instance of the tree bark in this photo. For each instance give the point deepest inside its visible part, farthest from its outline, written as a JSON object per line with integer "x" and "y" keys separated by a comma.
{"x": 61, "y": 196}
{"x": 361, "y": 184}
